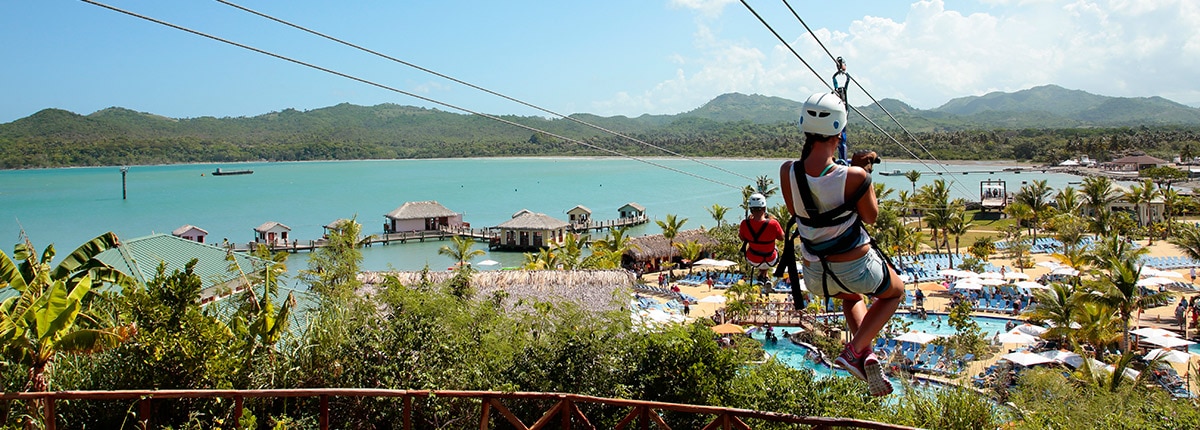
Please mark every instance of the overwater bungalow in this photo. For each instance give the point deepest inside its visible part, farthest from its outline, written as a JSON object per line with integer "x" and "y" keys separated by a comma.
{"x": 530, "y": 231}
{"x": 190, "y": 232}
{"x": 632, "y": 210}
{"x": 651, "y": 251}
{"x": 579, "y": 216}
{"x": 139, "y": 258}
{"x": 421, "y": 216}
{"x": 272, "y": 233}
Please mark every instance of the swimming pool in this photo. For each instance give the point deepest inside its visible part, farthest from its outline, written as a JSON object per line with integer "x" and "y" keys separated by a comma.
{"x": 796, "y": 356}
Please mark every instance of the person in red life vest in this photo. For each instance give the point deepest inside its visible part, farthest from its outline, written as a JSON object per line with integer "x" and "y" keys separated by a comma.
{"x": 759, "y": 233}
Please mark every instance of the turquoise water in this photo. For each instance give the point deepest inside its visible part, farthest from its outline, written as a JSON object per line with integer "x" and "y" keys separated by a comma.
{"x": 69, "y": 206}
{"x": 795, "y": 356}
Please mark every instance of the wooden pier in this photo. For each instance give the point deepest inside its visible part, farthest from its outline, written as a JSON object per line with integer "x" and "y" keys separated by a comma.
{"x": 484, "y": 235}
{"x": 584, "y": 227}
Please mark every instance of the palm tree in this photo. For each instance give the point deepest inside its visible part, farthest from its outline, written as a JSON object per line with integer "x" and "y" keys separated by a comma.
{"x": 1187, "y": 239}
{"x": 913, "y": 176}
{"x": 1058, "y": 305}
{"x": 1138, "y": 194}
{"x": 1172, "y": 201}
{"x": 671, "y": 227}
{"x": 45, "y": 315}
{"x": 1120, "y": 291}
{"x": 957, "y": 226}
{"x": 1097, "y": 196}
{"x": 765, "y": 185}
{"x": 689, "y": 252}
{"x": 718, "y": 213}
{"x": 460, "y": 250}
{"x": 1068, "y": 200}
{"x": 1036, "y": 196}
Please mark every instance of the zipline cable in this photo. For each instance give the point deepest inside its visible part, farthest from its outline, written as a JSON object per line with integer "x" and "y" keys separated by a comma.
{"x": 875, "y": 101}
{"x": 461, "y": 82}
{"x": 399, "y": 91}
{"x": 822, "y": 79}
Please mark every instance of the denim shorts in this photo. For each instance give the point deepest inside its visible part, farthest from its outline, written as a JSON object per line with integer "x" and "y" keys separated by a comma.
{"x": 865, "y": 275}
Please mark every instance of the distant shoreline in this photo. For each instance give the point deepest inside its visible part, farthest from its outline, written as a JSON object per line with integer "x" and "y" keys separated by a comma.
{"x": 989, "y": 163}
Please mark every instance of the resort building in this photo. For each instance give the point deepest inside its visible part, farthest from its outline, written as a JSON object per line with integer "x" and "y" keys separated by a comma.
{"x": 1145, "y": 213}
{"x": 190, "y": 232}
{"x": 651, "y": 251}
{"x": 579, "y": 216}
{"x": 632, "y": 210}
{"x": 139, "y": 258}
{"x": 272, "y": 233}
{"x": 1135, "y": 163}
{"x": 529, "y": 230}
{"x": 421, "y": 216}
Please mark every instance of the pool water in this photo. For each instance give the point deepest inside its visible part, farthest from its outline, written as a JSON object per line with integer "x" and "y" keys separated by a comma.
{"x": 796, "y": 356}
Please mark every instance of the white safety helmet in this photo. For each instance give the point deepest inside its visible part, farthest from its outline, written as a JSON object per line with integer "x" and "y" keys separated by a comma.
{"x": 757, "y": 201}
{"x": 823, "y": 114}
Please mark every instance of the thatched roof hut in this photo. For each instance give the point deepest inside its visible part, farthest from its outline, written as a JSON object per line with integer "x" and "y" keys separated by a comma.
{"x": 595, "y": 290}
{"x": 646, "y": 248}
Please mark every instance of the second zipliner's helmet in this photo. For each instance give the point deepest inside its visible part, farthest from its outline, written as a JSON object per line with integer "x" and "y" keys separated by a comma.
{"x": 823, "y": 114}
{"x": 757, "y": 201}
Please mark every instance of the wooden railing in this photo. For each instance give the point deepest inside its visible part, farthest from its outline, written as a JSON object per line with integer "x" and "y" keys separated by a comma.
{"x": 565, "y": 409}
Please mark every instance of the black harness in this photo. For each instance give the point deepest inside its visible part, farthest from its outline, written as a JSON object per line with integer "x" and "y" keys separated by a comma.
{"x": 757, "y": 235}
{"x": 841, "y": 244}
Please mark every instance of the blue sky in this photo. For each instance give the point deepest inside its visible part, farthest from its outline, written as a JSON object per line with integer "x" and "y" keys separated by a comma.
{"x": 618, "y": 57}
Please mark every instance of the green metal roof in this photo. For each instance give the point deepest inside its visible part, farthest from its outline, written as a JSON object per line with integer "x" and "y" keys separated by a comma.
{"x": 140, "y": 258}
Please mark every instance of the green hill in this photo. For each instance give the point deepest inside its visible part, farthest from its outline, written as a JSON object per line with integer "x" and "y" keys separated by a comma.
{"x": 736, "y": 125}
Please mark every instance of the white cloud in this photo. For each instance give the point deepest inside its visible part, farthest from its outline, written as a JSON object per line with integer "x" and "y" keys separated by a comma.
{"x": 1128, "y": 48}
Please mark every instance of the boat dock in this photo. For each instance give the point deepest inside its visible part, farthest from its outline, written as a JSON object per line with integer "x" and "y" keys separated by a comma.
{"x": 384, "y": 239}
{"x": 589, "y": 225}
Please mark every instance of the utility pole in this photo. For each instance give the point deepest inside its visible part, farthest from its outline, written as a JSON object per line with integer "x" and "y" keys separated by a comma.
{"x": 124, "y": 170}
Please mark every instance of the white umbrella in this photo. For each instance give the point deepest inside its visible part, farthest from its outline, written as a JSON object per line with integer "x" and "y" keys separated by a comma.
{"x": 1048, "y": 264}
{"x": 724, "y": 263}
{"x": 1172, "y": 355}
{"x": 488, "y": 263}
{"x": 1167, "y": 341}
{"x": 706, "y": 262}
{"x": 1030, "y": 329}
{"x": 1158, "y": 280}
{"x": 917, "y": 337}
{"x": 1066, "y": 357}
{"x": 1129, "y": 373}
{"x": 1064, "y": 271}
{"x": 991, "y": 281}
{"x": 1031, "y": 285}
{"x": 1154, "y": 332}
{"x": 1026, "y": 358}
{"x": 1016, "y": 276}
{"x": 713, "y": 299}
{"x": 1015, "y": 337}
{"x": 1150, "y": 271}
{"x": 991, "y": 275}
{"x": 1148, "y": 282}
{"x": 905, "y": 278}
{"x": 962, "y": 285}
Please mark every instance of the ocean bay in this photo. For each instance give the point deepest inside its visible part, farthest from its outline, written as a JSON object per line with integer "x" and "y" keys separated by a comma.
{"x": 68, "y": 206}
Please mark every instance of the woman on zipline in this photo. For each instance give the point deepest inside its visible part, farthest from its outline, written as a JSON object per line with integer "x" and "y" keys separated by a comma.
{"x": 831, "y": 202}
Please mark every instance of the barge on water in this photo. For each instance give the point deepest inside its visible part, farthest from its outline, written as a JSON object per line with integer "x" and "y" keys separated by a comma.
{"x": 220, "y": 172}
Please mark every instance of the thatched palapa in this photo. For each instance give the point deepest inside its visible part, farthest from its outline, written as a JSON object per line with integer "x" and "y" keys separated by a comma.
{"x": 594, "y": 290}
{"x": 647, "y": 248}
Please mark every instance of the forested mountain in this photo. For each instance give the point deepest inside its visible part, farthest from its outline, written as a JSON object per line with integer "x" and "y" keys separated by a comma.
{"x": 1046, "y": 123}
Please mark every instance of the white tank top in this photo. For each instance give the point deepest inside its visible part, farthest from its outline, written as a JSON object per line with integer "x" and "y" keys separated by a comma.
{"x": 829, "y": 191}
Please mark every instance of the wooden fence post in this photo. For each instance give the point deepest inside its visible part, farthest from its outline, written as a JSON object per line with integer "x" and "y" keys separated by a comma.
{"x": 324, "y": 412}
{"x": 49, "y": 418}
